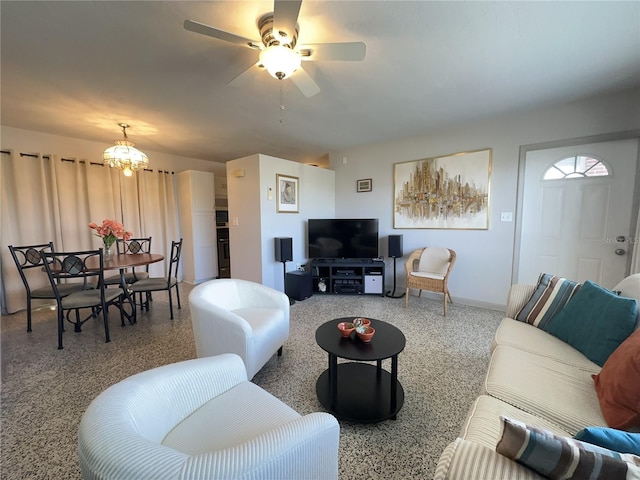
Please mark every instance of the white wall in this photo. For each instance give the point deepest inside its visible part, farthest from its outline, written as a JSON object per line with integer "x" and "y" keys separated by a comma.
{"x": 482, "y": 274}
{"x": 252, "y": 240}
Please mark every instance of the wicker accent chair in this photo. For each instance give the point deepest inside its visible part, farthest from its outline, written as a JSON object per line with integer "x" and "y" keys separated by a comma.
{"x": 428, "y": 269}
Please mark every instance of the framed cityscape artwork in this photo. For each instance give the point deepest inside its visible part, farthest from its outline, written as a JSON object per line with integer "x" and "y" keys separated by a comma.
{"x": 448, "y": 192}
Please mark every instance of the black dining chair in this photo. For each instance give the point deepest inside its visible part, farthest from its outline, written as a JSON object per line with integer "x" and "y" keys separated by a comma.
{"x": 27, "y": 258}
{"x": 155, "y": 284}
{"x": 83, "y": 267}
{"x": 131, "y": 246}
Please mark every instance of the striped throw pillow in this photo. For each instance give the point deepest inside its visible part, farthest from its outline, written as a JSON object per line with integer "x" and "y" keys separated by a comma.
{"x": 550, "y": 296}
{"x": 557, "y": 457}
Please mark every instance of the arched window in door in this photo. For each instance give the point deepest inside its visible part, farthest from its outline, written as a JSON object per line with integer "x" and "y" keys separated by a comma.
{"x": 580, "y": 166}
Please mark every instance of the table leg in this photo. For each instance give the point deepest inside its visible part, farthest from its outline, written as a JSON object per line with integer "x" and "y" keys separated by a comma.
{"x": 333, "y": 380}
{"x": 129, "y": 298}
{"x": 379, "y": 370}
{"x": 394, "y": 384}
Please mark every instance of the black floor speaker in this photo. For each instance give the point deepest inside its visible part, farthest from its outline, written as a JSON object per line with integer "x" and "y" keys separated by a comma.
{"x": 284, "y": 249}
{"x": 395, "y": 246}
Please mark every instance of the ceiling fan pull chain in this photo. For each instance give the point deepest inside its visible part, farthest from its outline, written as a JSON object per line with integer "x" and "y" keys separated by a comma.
{"x": 281, "y": 102}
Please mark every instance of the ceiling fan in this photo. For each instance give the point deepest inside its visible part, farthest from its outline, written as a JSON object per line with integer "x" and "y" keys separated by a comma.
{"x": 279, "y": 52}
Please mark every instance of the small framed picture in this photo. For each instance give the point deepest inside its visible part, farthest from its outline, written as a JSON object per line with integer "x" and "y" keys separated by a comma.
{"x": 287, "y": 194}
{"x": 364, "y": 185}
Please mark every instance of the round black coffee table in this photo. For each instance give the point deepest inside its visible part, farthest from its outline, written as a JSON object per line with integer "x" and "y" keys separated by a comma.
{"x": 360, "y": 392}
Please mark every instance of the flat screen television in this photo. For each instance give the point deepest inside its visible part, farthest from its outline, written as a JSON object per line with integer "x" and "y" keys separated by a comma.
{"x": 343, "y": 238}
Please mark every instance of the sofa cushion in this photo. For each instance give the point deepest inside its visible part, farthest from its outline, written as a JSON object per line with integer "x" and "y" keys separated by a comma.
{"x": 618, "y": 385}
{"x": 463, "y": 459}
{"x": 558, "y": 457}
{"x": 483, "y": 425}
{"x": 611, "y": 438}
{"x": 560, "y": 393}
{"x": 534, "y": 340}
{"x": 595, "y": 321}
{"x": 550, "y": 296}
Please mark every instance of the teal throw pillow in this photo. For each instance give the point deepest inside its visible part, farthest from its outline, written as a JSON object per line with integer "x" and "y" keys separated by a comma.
{"x": 595, "y": 321}
{"x": 617, "y": 440}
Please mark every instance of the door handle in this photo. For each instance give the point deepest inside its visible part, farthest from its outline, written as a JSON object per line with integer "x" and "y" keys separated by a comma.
{"x": 620, "y": 251}
{"x": 620, "y": 238}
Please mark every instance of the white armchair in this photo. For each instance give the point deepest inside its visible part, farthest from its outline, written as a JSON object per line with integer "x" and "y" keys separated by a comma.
{"x": 202, "y": 419}
{"x": 241, "y": 317}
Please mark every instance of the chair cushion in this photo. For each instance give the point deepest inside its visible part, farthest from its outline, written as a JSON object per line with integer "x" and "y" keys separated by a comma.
{"x": 151, "y": 284}
{"x": 129, "y": 277}
{"x": 434, "y": 276}
{"x": 611, "y": 438}
{"x": 618, "y": 385}
{"x": 558, "y": 457}
{"x": 435, "y": 260}
{"x": 64, "y": 289}
{"x": 236, "y": 416}
{"x": 595, "y": 321}
{"x": 89, "y": 298}
{"x": 549, "y": 297}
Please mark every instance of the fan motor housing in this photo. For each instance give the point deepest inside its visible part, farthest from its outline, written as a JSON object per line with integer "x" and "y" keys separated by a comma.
{"x": 265, "y": 25}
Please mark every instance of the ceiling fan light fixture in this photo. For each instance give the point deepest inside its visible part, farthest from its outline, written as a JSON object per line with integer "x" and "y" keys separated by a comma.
{"x": 280, "y": 61}
{"x": 124, "y": 156}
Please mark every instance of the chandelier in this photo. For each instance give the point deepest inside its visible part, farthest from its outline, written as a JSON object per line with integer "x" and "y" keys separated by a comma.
{"x": 124, "y": 156}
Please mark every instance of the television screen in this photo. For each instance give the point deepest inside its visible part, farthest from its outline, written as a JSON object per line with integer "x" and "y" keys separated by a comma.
{"x": 343, "y": 238}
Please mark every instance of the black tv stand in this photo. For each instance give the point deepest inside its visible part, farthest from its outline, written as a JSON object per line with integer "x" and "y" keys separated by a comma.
{"x": 348, "y": 276}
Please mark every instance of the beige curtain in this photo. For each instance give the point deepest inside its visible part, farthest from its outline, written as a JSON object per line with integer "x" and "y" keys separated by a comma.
{"x": 46, "y": 198}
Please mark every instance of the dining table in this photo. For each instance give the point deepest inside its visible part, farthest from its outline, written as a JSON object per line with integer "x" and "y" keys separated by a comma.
{"x": 122, "y": 262}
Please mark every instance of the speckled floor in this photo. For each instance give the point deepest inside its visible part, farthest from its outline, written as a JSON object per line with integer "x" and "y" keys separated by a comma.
{"x": 45, "y": 390}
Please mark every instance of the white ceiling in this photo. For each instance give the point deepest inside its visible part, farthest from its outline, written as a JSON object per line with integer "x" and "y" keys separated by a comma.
{"x": 78, "y": 68}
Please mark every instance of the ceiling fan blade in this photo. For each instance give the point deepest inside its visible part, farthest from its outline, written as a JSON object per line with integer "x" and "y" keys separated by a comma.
{"x": 347, "y": 51}
{"x": 203, "y": 29}
{"x": 305, "y": 83}
{"x": 285, "y": 16}
{"x": 249, "y": 74}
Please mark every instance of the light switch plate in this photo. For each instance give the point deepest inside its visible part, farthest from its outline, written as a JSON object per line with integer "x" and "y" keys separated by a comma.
{"x": 506, "y": 217}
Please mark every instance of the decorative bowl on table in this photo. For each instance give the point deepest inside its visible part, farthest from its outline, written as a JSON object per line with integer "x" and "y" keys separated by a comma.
{"x": 346, "y": 328}
{"x": 365, "y": 333}
{"x": 361, "y": 321}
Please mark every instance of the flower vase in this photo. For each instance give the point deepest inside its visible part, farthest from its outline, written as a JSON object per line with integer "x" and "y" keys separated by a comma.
{"x": 107, "y": 250}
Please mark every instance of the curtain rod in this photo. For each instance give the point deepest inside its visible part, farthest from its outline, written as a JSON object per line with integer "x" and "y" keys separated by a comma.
{"x": 35, "y": 155}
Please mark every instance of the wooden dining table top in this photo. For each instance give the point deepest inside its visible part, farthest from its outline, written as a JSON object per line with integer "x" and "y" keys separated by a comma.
{"x": 125, "y": 260}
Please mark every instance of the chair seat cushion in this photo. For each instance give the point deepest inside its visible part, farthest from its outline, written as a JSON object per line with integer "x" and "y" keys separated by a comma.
{"x": 152, "y": 284}
{"x": 129, "y": 277}
{"x": 64, "y": 289}
{"x": 89, "y": 298}
{"x": 236, "y": 416}
{"x": 434, "y": 276}
{"x": 261, "y": 319}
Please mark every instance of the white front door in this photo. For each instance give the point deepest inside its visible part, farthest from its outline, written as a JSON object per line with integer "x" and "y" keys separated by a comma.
{"x": 578, "y": 226}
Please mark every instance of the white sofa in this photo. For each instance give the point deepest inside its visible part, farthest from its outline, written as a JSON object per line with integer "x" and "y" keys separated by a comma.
{"x": 202, "y": 419}
{"x": 534, "y": 378}
{"x": 242, "y": 317}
